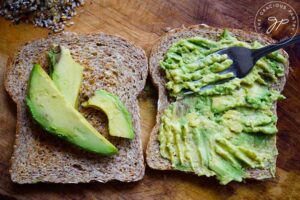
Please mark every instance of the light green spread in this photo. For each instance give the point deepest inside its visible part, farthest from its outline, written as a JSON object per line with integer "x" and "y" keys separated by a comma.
{"x": 189, "y": 65}
{"x": 225, "y": 130}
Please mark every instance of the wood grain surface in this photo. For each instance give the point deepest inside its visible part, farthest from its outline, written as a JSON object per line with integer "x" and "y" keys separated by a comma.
{"x": 143, "y": 22}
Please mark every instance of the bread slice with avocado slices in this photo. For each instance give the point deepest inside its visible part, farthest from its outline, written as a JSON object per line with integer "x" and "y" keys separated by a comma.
{"x": 110, "y": 63}
{"x": 172, "y": 158}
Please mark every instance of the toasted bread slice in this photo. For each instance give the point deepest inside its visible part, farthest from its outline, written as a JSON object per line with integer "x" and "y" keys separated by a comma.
{"x": 111, "y": 63}
{"x": 153, "y": 156}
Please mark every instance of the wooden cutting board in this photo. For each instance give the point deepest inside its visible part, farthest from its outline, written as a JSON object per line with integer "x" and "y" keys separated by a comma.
{"x": 143, "y": 22}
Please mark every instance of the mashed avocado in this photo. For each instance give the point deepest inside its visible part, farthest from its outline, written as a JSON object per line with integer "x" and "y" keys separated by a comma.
{"x": 189, "y": 65}
{"x": 224, "y": 130}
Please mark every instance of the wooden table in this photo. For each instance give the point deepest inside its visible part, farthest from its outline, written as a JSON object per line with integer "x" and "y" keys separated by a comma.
{"x": 143, "y": 22}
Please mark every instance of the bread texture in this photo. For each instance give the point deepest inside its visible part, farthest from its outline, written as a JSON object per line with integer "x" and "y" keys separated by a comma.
{"x": 153, "y": 156}
{"x": 110, "y": 63}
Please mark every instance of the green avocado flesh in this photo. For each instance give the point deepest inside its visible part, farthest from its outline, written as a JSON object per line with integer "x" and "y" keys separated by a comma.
{"x": 66, "y": 74}
{"x": 57, "y": 115}
{"x": 119, "y": 119}
{"x": 225, "y": 130}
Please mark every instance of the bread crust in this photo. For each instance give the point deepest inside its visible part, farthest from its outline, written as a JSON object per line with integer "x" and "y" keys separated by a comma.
{"x": 40, "y": 157}
{"x": 153, "y": 157}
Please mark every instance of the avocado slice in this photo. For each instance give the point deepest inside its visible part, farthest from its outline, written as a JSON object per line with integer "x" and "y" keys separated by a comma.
{"x": 56, "y": 115}
{"x": 119, "y": 119}
{"x": 66, "y": 74}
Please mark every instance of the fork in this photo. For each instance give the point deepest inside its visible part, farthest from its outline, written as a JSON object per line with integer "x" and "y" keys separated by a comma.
{"x": 244, "y": 59}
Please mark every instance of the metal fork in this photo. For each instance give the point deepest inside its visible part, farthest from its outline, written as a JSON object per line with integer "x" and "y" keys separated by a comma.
{"x": 244, "y": 59}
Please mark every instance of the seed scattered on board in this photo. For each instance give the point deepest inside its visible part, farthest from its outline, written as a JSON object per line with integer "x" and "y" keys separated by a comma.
{"x": 51, "y": 14}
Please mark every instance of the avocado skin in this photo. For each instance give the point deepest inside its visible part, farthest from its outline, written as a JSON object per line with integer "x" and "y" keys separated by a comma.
{"x": 57, "y": 116}
{"x": 119, "y": 119}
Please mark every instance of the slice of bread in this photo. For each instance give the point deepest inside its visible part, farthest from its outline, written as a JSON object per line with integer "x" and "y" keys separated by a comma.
{"x": 111, "y": 63}
{"x": 153, "y": 156}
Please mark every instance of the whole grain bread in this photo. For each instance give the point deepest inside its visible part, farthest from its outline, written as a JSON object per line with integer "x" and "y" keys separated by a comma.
{"x": 110, "y": 63}
{"x": 153, "y": 156}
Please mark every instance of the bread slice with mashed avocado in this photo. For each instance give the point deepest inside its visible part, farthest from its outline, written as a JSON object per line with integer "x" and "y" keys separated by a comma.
{"x": 228, "y": 131}
{"x": 109, "y": 63}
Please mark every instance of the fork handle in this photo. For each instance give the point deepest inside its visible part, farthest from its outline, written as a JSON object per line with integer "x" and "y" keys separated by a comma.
{"x": 258, "y": 53}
